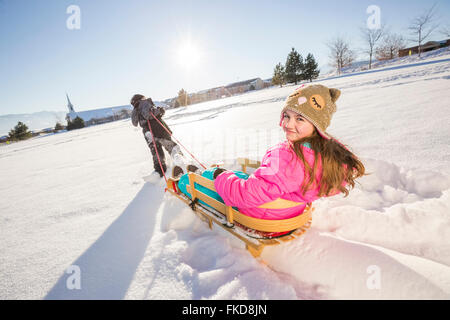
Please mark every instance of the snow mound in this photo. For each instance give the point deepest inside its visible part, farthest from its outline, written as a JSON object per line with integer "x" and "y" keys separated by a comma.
{"x": 403, "y": 210}
{"x": 387, "y": 223}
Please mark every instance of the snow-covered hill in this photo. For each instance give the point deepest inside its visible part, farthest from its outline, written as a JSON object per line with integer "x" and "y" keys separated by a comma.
{"x": 78, "y": 199}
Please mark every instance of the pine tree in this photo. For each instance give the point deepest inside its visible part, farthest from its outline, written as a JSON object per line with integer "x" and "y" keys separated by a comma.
{"x": 311, "y": 72}
{"x": 300, "y": 69}
{"x": 20, "y": 132}
{"x": 279, "y": 75}
{"x": 77, "y": 123}
{"x": 294, "y": 67}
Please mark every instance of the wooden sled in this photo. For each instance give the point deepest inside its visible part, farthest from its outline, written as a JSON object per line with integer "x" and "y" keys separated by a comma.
{"x": 232, "y": 220}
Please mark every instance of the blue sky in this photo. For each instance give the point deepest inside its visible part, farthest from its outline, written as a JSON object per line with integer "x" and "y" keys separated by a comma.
{"x": 126, "y": 47}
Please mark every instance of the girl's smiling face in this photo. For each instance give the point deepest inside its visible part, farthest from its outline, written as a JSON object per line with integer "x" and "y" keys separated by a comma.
{"x": 296, "y": 126}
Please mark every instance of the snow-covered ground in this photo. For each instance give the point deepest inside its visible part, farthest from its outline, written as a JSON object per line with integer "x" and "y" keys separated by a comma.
{"x": 78, "y": 199}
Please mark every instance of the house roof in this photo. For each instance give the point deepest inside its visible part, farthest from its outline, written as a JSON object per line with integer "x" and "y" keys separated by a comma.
{"x": 231, "y": 85}
{"x": 429, "y": 44}
{"x": 97, "y": 113}
{"x": 105, "y": 112}
{"x": 241, "y": 83}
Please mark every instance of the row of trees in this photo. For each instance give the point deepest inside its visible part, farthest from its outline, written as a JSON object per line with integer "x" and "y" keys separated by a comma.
{"x": 379, "y": 43}
{"x": 383, "y": 44}
{"x": 22, "y": 132}
{"x": 296, "y": 69}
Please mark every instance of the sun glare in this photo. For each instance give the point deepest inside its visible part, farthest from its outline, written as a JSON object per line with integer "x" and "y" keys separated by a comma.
{"x": 188, "y": 55}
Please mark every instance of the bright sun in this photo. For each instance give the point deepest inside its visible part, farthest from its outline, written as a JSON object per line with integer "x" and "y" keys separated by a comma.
{"x": 188, "y": 55}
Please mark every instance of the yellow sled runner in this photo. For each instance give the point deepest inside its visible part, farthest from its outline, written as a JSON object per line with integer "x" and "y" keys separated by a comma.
{"x": 248, "y": 229}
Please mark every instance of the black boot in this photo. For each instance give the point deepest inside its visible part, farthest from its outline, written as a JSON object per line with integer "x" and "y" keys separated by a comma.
{"x": 158, "y": 169}
{"x": 177, "y": 172}
{"x": 192, "y": 168}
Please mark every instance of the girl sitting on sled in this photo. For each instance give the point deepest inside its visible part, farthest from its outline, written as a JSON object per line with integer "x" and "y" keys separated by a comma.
{"x": 308, "y": 165}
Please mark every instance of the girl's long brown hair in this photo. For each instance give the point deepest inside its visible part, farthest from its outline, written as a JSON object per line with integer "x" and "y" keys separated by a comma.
{"x": 339, "y": 165}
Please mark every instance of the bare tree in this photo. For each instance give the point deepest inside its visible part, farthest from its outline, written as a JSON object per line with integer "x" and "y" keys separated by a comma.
{"x": 445, "y": 31}
{"x": 340, "y": 53}
{"x": 371, "y": 37}
{"x": 422, "y": 26}
{"x": 390, "y": 45}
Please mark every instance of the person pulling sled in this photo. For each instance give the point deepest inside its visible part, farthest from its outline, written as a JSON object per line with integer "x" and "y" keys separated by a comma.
{"x": 146, "y": 114}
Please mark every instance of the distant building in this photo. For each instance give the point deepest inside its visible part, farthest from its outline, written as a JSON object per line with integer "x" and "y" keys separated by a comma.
{"x": 244, "y": 86}
{"x": 69, "y": 104}
{"x": 209, "y": 94}
{"x": 223, "y": 91}
{"x": 47, "y": 130}
{"x": 429, "y": 46}
{"x": 102, "y": 115}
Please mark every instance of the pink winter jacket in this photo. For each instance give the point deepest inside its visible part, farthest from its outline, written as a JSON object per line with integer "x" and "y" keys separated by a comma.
{"x": 280, "y": 176}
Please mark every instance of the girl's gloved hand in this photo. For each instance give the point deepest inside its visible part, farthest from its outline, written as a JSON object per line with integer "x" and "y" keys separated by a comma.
{"x": 217, "y": 172}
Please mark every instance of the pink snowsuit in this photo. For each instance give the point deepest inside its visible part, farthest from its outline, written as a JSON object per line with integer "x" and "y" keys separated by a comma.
{"x": 280, "y": 175}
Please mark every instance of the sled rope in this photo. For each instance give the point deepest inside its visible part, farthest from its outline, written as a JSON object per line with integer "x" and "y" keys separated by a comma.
{"x": 156, "y": 149}
{"x": 178, "y": 141}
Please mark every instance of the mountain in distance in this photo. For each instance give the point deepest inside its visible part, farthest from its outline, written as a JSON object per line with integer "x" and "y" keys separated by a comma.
{"x": 34, "y": 121}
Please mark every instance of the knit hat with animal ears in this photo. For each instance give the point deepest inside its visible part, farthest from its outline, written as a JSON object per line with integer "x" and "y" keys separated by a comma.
{"x": 314, "y": 102}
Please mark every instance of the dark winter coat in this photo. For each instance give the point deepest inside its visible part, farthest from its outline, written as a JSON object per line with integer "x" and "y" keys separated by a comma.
{"x": 143, "y": 112}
